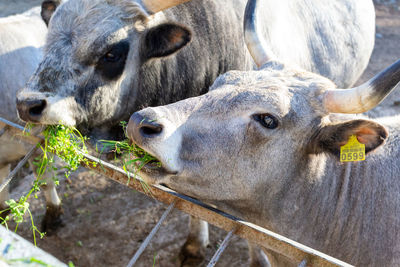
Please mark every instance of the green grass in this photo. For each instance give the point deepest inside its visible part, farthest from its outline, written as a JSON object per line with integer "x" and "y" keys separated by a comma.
{"x": 65, "y": 142}
{"x": 154, "y": 259}
{"x": 69, "y": 145}
{"x": 134, "y": 157}
{"x": 32, "y": 260}
{"x": 137, "y": 159}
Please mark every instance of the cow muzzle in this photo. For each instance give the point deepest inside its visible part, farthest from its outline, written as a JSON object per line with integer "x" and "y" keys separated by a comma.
{"x": 141, "y": 129}
{"x": 30, "y": 108}
{"x": 151, "y": 130}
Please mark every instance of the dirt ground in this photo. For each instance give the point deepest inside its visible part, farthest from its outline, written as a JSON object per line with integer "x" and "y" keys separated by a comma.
{"x": 105, "y": 222}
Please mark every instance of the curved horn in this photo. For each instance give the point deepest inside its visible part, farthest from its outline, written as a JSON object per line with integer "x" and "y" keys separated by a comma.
{"x": 364, "y": 97}
{"x": 154, "y": 6}
{"x": 253, "y": 37}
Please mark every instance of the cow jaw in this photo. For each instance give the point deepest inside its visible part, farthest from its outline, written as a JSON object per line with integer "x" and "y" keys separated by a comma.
{"x": 154, "y": 173}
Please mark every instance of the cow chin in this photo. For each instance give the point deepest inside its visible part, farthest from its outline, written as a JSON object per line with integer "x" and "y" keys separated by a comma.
{"x": 154, "y": 174}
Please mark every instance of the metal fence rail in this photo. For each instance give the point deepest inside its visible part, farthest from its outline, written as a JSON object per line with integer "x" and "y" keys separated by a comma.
{"x": 304, "y": 255}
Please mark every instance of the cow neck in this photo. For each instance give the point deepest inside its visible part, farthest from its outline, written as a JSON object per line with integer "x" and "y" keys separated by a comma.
{"x": 341, "y": 206}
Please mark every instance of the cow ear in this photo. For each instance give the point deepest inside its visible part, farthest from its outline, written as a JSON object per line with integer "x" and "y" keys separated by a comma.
{"x": 164, "y": 40}
{"x": 330, "y": 138}
{"x": 48, "y": 8}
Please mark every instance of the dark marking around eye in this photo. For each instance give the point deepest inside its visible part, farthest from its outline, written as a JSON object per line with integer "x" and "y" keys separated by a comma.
{"x": 112, "y": 63}
{"x": 266, "y": 120}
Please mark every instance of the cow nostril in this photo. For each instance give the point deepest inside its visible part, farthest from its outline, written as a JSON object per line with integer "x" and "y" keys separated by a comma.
{"x": 150, "y": 130}
{"x": 37, "y": 108}
{"x": 141, "y": 129}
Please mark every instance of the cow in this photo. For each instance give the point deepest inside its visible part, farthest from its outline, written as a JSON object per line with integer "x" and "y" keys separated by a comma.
{"x": 105, "y": 59}
{"x": 22, "y": 37}
{"x": 264, "y": 145}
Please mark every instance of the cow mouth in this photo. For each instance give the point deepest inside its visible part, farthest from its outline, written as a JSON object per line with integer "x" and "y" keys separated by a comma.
{"x": 152, "y": 168}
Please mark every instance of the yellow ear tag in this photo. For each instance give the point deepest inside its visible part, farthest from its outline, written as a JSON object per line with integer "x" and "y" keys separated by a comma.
{"x": 352, "y": 151}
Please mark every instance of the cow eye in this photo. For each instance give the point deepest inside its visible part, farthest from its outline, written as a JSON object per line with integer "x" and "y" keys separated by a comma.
{"x": 112, "y": 64}
{"x": 266, "y": 120}
{"x": 112, "y": 57}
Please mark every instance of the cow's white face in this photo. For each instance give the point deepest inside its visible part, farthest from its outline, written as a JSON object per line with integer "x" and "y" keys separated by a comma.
{"x": 241, "y": 142}
{"x": 222, "y": 145}
{"x": 208, "y": 143}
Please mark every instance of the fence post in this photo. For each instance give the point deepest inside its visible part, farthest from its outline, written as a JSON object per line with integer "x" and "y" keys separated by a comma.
{"x": 18, "y": 167}
{"x": 151, "y": 235}
{"x": 221, "y": 249}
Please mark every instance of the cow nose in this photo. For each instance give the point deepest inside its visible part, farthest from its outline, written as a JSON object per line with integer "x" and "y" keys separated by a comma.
{"x": 141, "y": 128}
{"x": 31, "y": 110}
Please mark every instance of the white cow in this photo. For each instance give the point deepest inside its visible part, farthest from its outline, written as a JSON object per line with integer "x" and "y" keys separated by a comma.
{"x": 265, "y": 146}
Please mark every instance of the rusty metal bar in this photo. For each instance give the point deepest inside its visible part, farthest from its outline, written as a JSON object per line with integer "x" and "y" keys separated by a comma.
{"x": 18, "y": 167}
{"x": 249, "y": 231}
{"x": 220, "y": 250}
{"x": 12, "y": 124}
{"x": 151, "y": 235}
{"x": 20, "y": 133}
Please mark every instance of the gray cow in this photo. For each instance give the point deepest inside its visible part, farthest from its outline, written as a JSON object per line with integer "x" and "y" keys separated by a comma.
{"x": 106, "y": 59}
{"x": 264, "y": 146}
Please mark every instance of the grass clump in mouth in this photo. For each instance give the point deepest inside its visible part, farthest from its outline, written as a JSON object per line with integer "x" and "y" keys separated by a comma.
{"x": 134, "y": 158}
{"x": 65, "y": 142}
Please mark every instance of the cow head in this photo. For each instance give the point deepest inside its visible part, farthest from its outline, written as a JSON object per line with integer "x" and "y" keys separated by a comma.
{"x": 250, "y": 131}
{"x": 257, "y": 131}
{"x": 91, "y": 60}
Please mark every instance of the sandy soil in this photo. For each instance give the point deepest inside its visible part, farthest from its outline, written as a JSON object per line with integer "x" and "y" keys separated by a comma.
{"x": 105, "y": 222}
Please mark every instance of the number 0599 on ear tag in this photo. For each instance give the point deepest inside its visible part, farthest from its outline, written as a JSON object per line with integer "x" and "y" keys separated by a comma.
{"x": 352, "y": 151}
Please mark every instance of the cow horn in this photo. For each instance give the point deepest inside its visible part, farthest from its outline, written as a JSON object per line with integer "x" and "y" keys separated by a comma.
{"x": 154, "y": 6}
{"x": 364, "y": 97}
{"x": 256, "y": 44}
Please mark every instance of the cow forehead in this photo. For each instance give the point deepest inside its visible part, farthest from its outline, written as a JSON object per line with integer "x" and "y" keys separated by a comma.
{"x": 275, "y": 73}
{"x": 91, "y": 24}
{"x": 240, "y": 100}
{"x": 90, "y": 12}
{"x": 275, "y": 88}
{"x": 231, "y": 101}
